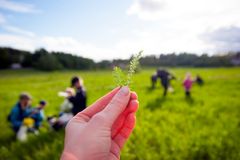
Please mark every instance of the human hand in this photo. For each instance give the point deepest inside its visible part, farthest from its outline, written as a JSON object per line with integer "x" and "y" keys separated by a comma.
{"x": 100, "y": 131}
{"x": 69, "y": 94}
{"x": 34, "y": 112}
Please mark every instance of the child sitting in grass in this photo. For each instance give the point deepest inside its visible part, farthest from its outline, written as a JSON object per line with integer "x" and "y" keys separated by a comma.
{"x": 38, "y": 114}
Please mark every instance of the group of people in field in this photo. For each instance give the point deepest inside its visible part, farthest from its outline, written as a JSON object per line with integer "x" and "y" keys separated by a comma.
{"x": 166, "y": 78}
{"x": 25, "y": 119}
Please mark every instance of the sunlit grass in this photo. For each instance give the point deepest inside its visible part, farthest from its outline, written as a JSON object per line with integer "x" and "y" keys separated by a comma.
{"x": 206, "y": 127}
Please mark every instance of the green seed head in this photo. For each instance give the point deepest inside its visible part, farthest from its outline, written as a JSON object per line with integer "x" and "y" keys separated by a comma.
{"x": 125, "y": 80}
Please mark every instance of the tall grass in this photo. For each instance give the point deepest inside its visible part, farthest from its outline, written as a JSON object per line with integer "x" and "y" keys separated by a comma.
{"x": 204, "y": 127}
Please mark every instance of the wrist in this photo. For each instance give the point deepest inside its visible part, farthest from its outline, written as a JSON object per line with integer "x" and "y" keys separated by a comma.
{"x": 68, "y": 156}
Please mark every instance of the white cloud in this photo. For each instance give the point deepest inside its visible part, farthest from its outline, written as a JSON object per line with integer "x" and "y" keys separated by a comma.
{"x": 156, "y": 42}
{"x": 146, "y": 5}
{"x": 17, "y": 30}
{"x": 146, "y": 9}
{"x": 71, "y": 45}
{"x": 151, "y": 42}
{"x": 178, "y": 25}
{"x": 19, "y": 42}
{"x": 63, "y": 44}
{"x": 223, "y": 39}
{"x": 17, "y": 6}
{"x": 184, "y": 9}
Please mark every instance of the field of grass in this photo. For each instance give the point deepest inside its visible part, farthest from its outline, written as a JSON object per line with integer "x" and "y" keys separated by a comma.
{"x": 172, "y": 128}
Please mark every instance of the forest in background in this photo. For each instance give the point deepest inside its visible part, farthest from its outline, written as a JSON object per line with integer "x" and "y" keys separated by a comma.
{"x": 41, "y": 59}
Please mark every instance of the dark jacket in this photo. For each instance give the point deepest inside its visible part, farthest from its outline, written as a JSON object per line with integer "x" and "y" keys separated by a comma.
{"x": 165, "y": 77}
{"x": 79, "y": 101}
{"x": 17, "y": 115}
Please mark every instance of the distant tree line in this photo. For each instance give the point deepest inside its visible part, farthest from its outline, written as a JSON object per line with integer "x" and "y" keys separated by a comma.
{"x": 43, "y": 60}
{"x": 189, "y": 60}
{"x": 48, "y": 61}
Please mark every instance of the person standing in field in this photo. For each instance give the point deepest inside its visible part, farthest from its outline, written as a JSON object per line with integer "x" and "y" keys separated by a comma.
{"x": 79, "y": 100}
{"x": 187, "y": 83}
{"x": 165, "y": 77}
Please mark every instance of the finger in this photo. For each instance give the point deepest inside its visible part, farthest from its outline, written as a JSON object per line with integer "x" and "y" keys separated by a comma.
{"x": 114, "y": 151}
{"x": 131, "y": 108}
{"x": 116, "y": 106}
{"x": 115, "y": 147}
{"x": 126, "y": 130}
{"x": 99, "y": 105}
{"x": 133, "y": 95}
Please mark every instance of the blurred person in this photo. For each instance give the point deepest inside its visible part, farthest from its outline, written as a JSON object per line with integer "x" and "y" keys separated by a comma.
{"x": 100, "y": 131}
{"x": 59, "y": 122}
{"x": 19, "y": 113}
{"x": 79, "y": 100}
{"x": 199, "y": 80}
{"x": 66, "y": 106}
{"x": 38, "y": 114}
{"x": 154, "y": 80}
{"x": 165, "y": 77}
{"x": 187, "y": 83}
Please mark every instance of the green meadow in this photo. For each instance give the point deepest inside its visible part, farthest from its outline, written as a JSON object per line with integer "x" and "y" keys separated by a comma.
{"x": 206, "y": 127}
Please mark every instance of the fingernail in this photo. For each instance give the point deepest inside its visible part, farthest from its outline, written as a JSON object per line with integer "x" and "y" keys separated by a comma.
{"x": 124, "y": 91}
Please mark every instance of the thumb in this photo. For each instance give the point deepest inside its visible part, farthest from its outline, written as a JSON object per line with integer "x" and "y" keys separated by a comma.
{"x": 116, "y": 106}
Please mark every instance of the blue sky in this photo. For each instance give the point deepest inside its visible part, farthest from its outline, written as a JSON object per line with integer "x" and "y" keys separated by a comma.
{"x": 109, "y": 29}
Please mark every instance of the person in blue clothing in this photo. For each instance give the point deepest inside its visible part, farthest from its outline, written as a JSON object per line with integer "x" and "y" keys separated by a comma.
{"x": 20, "y": 111}
{"x": 38, "y": 114}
